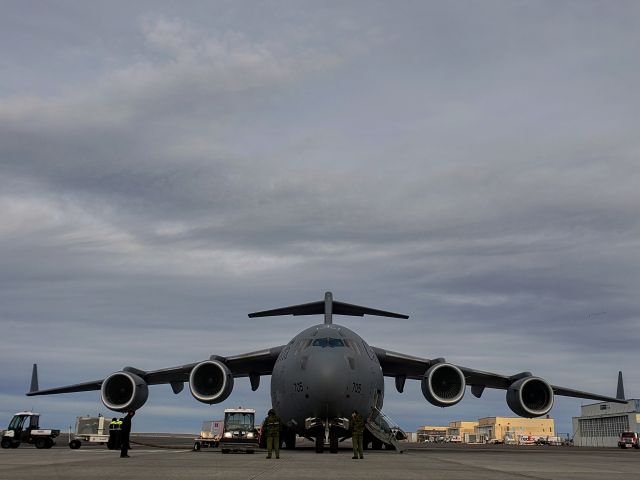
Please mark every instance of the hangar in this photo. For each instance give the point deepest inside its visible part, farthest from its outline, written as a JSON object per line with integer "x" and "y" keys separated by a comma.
{"x": 600, "y": 424}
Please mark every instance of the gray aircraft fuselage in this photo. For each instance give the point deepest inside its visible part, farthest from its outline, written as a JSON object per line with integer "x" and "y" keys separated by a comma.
{"x": 325, "y": 372}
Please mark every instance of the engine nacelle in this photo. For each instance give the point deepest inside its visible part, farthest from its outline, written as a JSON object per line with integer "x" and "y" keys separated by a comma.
{"x": 211, "y": 382}
{"x": 443, "y": 385}
{"x": 530, "y": 397}
{"x": 124, "y": 391}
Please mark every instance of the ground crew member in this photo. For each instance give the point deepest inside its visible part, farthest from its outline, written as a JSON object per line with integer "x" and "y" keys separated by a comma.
{"x": 113, "y": 426}
{"x": 125, "y": 431}
{"x": 118, "y": 442}
{"x": 271, "y": 428}
{"x": 357, "y": 433}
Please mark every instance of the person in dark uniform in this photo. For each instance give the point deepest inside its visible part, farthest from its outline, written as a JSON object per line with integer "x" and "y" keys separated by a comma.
{"x": 113, "y": 427}
{"x": 125, "y": 431}
{"x": 271, "y": 428}
{"x": 357, "y": 433}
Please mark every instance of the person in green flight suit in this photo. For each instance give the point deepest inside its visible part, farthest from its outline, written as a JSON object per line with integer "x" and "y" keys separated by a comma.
{"x": 357, "y": 433}
{"x": 271, "y": 428}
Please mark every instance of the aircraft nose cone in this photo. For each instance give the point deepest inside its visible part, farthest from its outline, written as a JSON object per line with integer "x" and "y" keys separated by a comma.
{"x": 327, "y": 379}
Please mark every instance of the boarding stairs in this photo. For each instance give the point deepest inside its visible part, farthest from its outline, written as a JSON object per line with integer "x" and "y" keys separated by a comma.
{"x": 385, "y": 430}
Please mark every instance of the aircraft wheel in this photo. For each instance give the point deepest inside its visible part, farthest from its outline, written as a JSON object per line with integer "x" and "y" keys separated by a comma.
{"x": 196, "y": 446}
{"x": 333, "y": 442}
{"x": 320, "y": 444}
{"x": 6, "y": 443}
{"x": 75, "y": 444}
{"x": 41, "y": 442}
{"x": 376, "y": 444}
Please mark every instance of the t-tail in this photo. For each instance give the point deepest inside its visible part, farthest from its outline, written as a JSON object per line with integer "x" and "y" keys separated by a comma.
{"x": 620, "y": 390}
{"x": 328, "y": 307}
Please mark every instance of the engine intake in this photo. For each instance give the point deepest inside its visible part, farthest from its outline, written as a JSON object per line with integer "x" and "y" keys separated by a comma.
{"x": 211, "y": 382}
{"x": 443, "y": 385}
{"x": 124, "y": 391}
{"x": 530, "y": 397}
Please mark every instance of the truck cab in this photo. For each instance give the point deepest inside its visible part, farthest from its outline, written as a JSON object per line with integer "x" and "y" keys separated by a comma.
{"x": 239, "y": 430}
{"x": 628, "y": 440}
{"x": 25, "y": 428}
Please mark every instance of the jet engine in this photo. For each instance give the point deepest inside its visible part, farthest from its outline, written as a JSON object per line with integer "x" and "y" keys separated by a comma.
{"x": 443, "y": 385}
{"x": 124, "y": 391}
{"x": 530, "y": 397}
{"x": 211, "y": 381}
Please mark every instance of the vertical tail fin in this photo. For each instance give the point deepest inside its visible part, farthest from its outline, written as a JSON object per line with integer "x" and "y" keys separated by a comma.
{"x": 34, "y": 378}
{"x": 620, "y": 391}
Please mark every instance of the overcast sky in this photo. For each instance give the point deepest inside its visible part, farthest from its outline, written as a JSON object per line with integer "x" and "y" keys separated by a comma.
{"x": 168, "y": 167}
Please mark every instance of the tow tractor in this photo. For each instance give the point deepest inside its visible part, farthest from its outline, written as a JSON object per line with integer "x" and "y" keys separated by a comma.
{"x": 24, "y": 428}
{"x": 239, "y": 432}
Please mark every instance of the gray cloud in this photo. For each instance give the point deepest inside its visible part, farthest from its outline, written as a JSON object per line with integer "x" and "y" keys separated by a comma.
{"x": 473, "y": 165}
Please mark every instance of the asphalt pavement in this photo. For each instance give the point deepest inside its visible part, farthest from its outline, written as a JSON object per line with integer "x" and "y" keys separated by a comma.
{"x": 418, "y": 462}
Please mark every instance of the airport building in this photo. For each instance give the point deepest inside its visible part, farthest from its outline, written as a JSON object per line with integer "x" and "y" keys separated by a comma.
{"x": 488, "y": 428}
{"x": 431, "y": 433}
{"x": 600, "y": 424}
{"x": 498, "y": 428}
{"x": 462, "y": 431}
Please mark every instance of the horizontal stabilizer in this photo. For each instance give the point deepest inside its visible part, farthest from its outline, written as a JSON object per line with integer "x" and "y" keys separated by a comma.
{"x": 317, "y": 308}
{"x": 320, "y": 308}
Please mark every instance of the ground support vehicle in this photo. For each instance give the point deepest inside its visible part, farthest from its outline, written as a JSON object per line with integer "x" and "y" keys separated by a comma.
{"x": 90, "y": 430}
{"x": 24, "y": 428}
{"x": 549, "y": 440}
{"x": 239, "y": 432}
{"x": 628, "y": 440}
{"x": 209, "y": 435}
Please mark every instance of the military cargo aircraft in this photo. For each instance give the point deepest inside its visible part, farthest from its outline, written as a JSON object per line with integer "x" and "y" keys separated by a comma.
{"x": 323, "y": 374}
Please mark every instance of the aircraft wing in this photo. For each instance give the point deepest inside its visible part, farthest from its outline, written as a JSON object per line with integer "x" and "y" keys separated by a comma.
{"x": 402, "y": 366}
{"x": 243, "y": 365}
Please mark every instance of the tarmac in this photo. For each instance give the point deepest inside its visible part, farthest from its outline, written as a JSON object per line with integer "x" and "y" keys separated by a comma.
{"x": 172, "y": 458}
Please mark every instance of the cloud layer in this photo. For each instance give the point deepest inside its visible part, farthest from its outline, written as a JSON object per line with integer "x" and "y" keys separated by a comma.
{"x": 164, "y": 173}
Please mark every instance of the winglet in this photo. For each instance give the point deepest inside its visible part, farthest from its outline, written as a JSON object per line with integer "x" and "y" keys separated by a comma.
{"x": 34, "y": 379}
{"x": 620, "y": 390}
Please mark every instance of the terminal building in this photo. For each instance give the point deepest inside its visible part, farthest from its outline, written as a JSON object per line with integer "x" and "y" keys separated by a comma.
{"x": 600, "y": 424}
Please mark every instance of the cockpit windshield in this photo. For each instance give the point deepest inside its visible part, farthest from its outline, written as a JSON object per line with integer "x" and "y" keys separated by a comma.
{"x": 328, "y": 342}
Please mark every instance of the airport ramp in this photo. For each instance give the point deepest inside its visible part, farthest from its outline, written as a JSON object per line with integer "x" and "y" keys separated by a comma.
{"x": 386, "y": 430}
